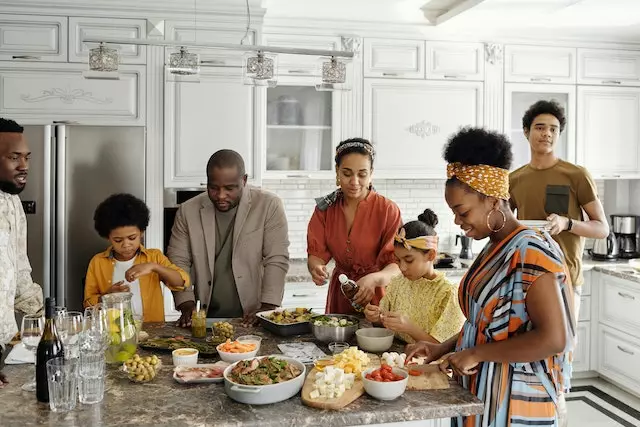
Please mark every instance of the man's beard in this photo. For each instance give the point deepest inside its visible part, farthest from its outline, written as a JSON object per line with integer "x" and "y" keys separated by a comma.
{"x": 10, "y": 187}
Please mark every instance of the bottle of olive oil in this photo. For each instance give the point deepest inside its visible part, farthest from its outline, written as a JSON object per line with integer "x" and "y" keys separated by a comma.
{"x": 50, "y": 346}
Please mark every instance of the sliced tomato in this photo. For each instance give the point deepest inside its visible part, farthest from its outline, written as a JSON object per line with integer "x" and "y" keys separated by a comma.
{"x": 414, "y": 372}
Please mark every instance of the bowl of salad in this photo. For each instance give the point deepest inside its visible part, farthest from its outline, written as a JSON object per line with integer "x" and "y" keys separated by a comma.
{"x": 334, "y": 327}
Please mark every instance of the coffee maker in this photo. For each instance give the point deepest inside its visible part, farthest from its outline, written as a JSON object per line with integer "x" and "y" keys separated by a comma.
{"x": 625, "y": 227}
{"x": 465, "y": 252}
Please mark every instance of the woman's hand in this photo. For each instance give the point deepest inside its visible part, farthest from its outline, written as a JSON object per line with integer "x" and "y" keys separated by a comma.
{"x": 426, "y": 349}
{"x": 462, "y": 362}
{"x": 319, "y": 275}
{"x": 366, "y": 289}
{"x": 372, "y": 313}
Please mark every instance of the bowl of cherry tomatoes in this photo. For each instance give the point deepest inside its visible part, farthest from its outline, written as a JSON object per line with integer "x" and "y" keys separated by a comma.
{"x": 385, "y": 382}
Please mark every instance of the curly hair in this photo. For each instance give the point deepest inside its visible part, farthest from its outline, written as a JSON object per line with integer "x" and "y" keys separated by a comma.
{"x": 477, "y": 146}
{"x": 424, "y": 226}
{"x": 120, "y": 210}
{"x": 365, "y": 148}
{"x": 10, "y": 126}
{"x": 544, "y": 107}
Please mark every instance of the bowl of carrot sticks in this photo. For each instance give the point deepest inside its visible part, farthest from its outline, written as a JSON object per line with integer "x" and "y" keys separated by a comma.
{"x": 233, "y": 351}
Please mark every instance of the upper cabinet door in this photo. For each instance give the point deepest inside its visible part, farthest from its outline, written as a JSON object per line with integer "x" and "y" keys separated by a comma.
{"x": 609, "y": 67}
{"x": 44, "y": 92}
{"x": 112, "y": 28}
{"x": 33, "y": 38}
{"x": 409, "y": 122}
{"x": 300, "y": 65}
{"x": 455, "y": 61}
{"x": 528, "y": 64}
{"x": 402, "y": 59}
{"x": 609, "y": 131}
{"x": 202, "y": 118}
{"x": 209, "y": 33}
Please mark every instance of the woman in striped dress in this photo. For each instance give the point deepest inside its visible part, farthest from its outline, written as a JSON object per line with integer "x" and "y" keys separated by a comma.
{"x": 513, "y": 352}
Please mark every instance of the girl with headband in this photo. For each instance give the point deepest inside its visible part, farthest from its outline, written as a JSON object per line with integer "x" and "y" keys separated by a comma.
{"x": 354, "y": 226}
{"x": 513, "y": 351}
{"x": 421, "y": 304}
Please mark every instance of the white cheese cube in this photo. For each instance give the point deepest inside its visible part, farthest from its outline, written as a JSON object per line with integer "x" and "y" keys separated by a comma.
{"x": 314, "y": 394}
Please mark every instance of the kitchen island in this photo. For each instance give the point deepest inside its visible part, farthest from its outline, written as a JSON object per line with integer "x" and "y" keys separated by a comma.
{"x": 164, "y": 402}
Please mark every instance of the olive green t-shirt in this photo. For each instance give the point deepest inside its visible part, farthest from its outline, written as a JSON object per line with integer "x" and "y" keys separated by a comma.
{"x": 561, "y": 189}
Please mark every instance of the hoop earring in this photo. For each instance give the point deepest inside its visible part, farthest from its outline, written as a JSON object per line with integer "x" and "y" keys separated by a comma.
{"x": 504, "y": 220}
{"x": 337, "y": 182}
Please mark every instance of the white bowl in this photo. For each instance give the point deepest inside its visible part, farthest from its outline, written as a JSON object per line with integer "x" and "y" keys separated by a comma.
{"x": 385, "y": 390}
{"x": 235, "y": 357}
{"x": 254, "y": 339}
{"x": 375, "y": 340}
{"x": 185, "y": 357}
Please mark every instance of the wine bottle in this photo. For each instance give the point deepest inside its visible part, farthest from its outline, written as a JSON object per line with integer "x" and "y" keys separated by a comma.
{"x": 50, "y": 346}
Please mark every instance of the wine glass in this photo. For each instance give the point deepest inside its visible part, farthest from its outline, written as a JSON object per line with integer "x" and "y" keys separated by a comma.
{"x": 69, "y": 326}
{"x": 95, "y": 328}
{"x": 31, "y": 333}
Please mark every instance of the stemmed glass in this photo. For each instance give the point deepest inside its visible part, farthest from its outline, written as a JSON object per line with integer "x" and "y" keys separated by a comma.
{"x": 69, "y": 326}
{"x": 31, "y": 333}
{"x": 95, "y": 328}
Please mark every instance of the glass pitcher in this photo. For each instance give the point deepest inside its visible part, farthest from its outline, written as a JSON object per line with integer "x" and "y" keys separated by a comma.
{"x": 123, "y": 337}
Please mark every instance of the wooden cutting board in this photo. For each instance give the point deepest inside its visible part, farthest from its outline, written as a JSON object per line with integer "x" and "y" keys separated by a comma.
{"x": 430, "y": 378}
{"x": 340, "y": 402}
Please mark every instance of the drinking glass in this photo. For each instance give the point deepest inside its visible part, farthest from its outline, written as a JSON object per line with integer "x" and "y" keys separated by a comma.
{"x": 69, "y": 326}
{"x": 31, "y": 332}
{"x": 91, "y": 376}
{"x": 62, "y": 380}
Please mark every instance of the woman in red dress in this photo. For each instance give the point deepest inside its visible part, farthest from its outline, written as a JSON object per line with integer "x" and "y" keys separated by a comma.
{"x": 355, "y": 226}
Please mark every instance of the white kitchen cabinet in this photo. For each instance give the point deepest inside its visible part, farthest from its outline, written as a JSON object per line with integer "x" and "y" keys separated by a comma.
{"x": 409, "y": 123}
{"x": 619, "y": 304}
{"x": 80, "y": 27}
{"x": 540, "y": 64}
{"x": 305, "y": 294}
{"x": 401, "y": 59}
{"x": 44, "y": 92}
{"x": 582, "y": 352}
{"x": 208, "y": 32}
{"x": 202, "y": 118}
{"x": 608, "y": 67}
{"x": 619, "y": 357}
{"x": 33, "y": 38}
{"x": 518, "y": 97}
{"x": 303, "y": 128}
{"x": 609, "y": 131}
{"x": 300, "y": 65}
{"x": 455, "y": 61}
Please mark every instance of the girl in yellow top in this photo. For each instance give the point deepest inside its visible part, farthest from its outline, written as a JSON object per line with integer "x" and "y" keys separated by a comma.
{"x": 420, "y": 305}
{"x": 127, "y": 266}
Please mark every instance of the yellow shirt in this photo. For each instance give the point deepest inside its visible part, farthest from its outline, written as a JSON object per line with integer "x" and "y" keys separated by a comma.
{"x": 432, "y": 305}
{"x": 100, "y": 273}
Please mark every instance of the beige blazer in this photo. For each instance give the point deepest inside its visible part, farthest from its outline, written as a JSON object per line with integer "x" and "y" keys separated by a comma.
{"x": 260, "y": 259}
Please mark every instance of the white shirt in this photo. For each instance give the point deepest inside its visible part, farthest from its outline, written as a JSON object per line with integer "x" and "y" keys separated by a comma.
{"x": 17, "y": 290}
{"x": 119, "y": 270}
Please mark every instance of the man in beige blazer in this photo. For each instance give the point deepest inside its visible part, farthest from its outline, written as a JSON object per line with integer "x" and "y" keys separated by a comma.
{"x": 233, "y": 240}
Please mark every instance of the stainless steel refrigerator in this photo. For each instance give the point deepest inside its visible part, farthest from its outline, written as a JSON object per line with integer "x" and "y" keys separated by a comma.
{"x": 72, "y": 169}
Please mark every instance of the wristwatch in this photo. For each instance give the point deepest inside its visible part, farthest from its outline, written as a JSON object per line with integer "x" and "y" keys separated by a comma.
{"x": 570, "y": 225}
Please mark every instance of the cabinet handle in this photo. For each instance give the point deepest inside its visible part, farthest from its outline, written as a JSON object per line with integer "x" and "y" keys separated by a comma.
{"x": 611, "y": 82}
{"x": 299, "y": 176}
{"x": 453, "y": 76}
{"x": 611, "y": 176}
{"x": 304, "y": 295}
{"x": 627, "y": 296}
{"x": 540, "y": 79}
{"x": 213, "y": 62}
{"x": 299, "y": 72}
{"x": 203, "y": 183}
{"x": 391, "y": 74}
{"x": 34, "y": 58}
{"x": 624, "y": 350}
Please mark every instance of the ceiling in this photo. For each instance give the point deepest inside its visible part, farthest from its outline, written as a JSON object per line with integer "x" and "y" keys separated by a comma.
{"x": 546, "y": 19}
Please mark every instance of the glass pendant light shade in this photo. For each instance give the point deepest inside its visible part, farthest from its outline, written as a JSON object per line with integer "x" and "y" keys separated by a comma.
{"x": 259, "y": 69}
{"x": 103, "y": 58}
{"x": 333, "y": 75}
{"x": 183, "y": 63}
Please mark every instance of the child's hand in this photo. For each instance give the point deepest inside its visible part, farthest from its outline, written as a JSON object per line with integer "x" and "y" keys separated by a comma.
{"x": 139, "y": 270}
{"x": 372, "y": 313}
{"x": 396, "y": 322}
{"x": 118, "y": 287}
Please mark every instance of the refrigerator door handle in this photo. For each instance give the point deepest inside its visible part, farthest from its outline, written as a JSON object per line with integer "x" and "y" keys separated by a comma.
{"x": 61, "y": 232}
{"x": 47, "y": 273}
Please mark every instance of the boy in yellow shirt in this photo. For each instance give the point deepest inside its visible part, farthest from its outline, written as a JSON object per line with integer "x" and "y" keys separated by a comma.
{"x": 126, "y": 265}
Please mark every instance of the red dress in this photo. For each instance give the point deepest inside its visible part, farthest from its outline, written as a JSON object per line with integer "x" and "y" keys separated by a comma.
{"x": 368, "y": 248}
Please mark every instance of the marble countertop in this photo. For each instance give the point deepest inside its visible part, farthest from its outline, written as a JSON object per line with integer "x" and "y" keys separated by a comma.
{"x": 164, "y": 402}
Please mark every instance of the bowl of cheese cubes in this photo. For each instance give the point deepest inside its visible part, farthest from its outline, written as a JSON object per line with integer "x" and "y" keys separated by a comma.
{"x": 334, "y": 327}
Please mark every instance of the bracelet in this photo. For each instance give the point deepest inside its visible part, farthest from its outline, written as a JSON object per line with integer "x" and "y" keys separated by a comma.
{"x": 570, "y": 225}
